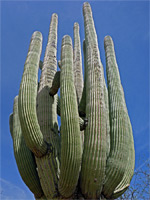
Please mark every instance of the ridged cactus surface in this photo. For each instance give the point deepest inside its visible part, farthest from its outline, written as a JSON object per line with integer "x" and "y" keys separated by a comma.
{"x": 91, "y": 155}
{"x": 24, "y": 157}
{"x": 71, "y": 149}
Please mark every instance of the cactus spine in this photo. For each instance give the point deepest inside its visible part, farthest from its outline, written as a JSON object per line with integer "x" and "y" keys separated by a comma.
{"x": 61, "y": 164}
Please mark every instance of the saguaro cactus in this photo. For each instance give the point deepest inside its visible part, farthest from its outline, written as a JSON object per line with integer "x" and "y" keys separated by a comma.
{"x": 95, "y": 163}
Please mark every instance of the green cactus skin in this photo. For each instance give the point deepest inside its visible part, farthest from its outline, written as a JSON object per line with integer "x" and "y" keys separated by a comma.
{"x": 48, "y": 165}
{"x": 77, "y": 63}
{"x": 24, "y": 157}
{"x": 27, "y": 98}
{"x": 71, "y": 143}
{"x": 94, "y": 154}
{"x": 120, "y": 163}
{"x": 97, "y": 163}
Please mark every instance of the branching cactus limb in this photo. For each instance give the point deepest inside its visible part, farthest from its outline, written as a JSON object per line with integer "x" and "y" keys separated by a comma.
{"x": 48, "y": 165}
{"x": 120, "y": 163}
{"x": 43, "y": 151}
{"x": 77, "y": 63}
{"x": 24, "y": 157}
{"x": 27, "y": 98}
{"x": 71, "y": 143}
{"x": 94, "y": 154}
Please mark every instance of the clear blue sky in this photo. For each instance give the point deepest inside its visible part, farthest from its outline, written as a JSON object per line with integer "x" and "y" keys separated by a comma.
{"x": 127, "y": 23}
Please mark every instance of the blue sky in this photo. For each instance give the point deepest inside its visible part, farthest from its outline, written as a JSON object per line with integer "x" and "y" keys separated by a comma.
{"x": 128, "y": 24}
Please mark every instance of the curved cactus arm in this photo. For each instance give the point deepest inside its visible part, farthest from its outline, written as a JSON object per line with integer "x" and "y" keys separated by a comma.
{"x": 94, "y": 154}
{"x": 56, "y": 84}
{"x": 50, "y": 62}
{"x": 120, "y": 163}
{"x": 71, "y": 143}
{"x": 124, "y": 184}
{"x": 27, "y": 98}
{"x": 48, "y": 165}
{"x": 77, "y": 63}
{"x": 82, "y": 105}
{"x": 24, "y": 157}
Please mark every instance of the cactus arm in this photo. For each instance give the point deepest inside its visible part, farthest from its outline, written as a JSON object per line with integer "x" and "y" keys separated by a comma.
{"x": 77, "y": 63}
{"x": 27, "y": 98}
{"x": 82, "y": 105}
{"x": 94, "y": 154}
{"x": 122, "y": 146}
{"x": 71, "y": 143}
{"x": 50, "y": 63}
{"x": 125, "y": 182}
{"x": 56, "y": 84}
{"x": 24, "y": 157}
{"x": 48, "y": 165}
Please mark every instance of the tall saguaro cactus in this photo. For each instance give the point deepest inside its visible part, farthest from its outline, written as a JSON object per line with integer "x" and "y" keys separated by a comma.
{"x": 60, "y": 164}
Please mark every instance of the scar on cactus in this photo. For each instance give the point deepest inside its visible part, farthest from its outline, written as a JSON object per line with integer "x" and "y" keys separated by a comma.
{"x": 92, "y": 155}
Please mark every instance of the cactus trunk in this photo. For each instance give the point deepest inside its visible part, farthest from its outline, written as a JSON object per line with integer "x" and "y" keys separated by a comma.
{"x": 92, "y": 155}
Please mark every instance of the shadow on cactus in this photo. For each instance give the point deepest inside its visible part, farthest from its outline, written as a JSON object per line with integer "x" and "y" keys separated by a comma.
{"x": 92, "y": 155}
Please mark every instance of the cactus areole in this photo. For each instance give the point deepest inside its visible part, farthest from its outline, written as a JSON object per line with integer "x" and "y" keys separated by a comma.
{"x": 91, "y": 155}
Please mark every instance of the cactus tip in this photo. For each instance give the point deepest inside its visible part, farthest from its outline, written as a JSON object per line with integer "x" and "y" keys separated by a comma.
{"x": 37, "y": 34}
{"x": 86, "y": 4}
{"x": 76, "y": 24}
{"x": 66, "y": 40}
{"x": 108, "y": 41}
{"x": 54, "y": 15}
